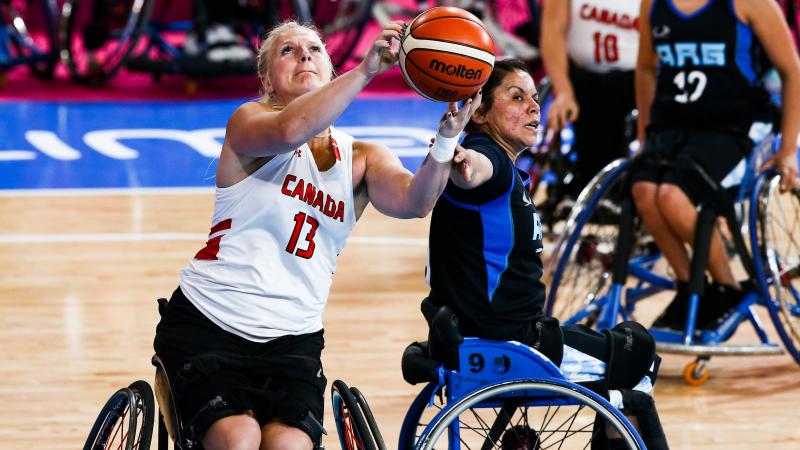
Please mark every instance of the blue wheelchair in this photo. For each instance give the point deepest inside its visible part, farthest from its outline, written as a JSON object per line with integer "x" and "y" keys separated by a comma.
{"x": 502, "y": 395}
{"x": 604, "y": 263}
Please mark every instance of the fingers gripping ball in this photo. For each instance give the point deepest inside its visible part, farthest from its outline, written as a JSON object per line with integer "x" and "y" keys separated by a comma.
{"x": 446, "y": 54}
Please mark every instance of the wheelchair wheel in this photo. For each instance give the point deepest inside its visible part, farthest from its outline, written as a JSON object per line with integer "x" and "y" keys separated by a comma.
{"x": 97, "y": 36}
{"x": 30, "y": 35}
{"x": 370, "y": 418}
{"x": 779, "y": 223}
{"x": 126, "y": 420}
{"x": 580, "y": 268}
{"x": 354, "y": 433}
{"x": 418, "y": 417}
{"x": 529, "y": 415}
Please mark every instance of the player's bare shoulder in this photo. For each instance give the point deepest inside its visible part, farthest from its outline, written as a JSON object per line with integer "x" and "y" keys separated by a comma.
{"x": 245, "y": 111}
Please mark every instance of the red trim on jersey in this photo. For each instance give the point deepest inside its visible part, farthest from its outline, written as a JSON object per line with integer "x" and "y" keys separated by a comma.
{"x": 224, "y": 225}
{"x": 209, "y": 252}
{"x": 336, "y": 149}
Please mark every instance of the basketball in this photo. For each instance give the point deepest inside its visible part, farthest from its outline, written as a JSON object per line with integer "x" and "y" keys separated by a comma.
{"x": 446, "y": 54}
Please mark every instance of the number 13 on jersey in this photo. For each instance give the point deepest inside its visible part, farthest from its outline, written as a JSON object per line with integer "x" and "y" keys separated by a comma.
{"x": 300, "y": 221}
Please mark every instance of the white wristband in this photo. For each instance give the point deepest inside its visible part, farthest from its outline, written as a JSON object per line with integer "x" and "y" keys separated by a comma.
{"x": 443, "y": 148}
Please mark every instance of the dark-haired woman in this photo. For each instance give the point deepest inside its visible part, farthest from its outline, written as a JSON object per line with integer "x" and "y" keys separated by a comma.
{"x": 485, "y": 235}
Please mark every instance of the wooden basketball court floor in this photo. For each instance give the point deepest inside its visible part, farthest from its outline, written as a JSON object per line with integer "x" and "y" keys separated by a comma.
{"x": 80, "y": 275}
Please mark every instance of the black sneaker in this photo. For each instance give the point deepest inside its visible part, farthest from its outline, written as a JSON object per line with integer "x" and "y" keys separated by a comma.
{"x": 520, "y": 437}
{"x": 674, "y": 317}
{"x": 718, "y": 302}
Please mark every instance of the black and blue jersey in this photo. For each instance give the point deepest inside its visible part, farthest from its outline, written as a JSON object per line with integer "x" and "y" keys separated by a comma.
{"x": 709, "y": 66}
{"x": 484, "y": 250}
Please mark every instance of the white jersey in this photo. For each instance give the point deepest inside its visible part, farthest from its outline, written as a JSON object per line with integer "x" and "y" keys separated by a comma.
{"x": 604, "y": 34}
{"x": 267, "y": 267}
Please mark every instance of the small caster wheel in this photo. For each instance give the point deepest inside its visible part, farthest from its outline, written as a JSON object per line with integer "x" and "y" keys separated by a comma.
{"x": 190, "y": 88}
{"x": 695, "y": 373}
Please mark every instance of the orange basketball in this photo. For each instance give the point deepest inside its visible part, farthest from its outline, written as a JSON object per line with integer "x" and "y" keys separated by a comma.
{"x": 446, "y": 54}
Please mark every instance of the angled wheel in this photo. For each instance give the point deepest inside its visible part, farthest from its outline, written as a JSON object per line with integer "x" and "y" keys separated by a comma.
{"x": 97, "y": 36}
{"x": 528, "y": 414}
{"x": 580, "y": 268}
{"x": 29, "y": 35}
{"x": 370, "y": 418}
{"x": 145, "y": 407}
{"x": 126, "y": 420}
{"x": 354, "y": 433}
{"x": 778, "y": 267}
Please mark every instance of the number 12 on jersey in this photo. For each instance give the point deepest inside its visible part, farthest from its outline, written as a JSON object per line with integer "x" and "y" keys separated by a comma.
{"x": 300, "y": 219}
{"x": 605, "y": 48}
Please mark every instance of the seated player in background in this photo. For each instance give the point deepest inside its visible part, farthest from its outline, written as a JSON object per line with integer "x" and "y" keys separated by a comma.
{"x": 589, "y": 50}
{"x": 698, "y": 95}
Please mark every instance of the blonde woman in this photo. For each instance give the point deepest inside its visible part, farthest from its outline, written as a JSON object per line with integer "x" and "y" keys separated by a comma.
{"x": 242, "y": 335}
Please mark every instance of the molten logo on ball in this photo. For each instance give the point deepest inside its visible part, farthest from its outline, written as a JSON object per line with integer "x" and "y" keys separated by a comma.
{"x": 459, "y": 71}
{"x": 446, "y": 54}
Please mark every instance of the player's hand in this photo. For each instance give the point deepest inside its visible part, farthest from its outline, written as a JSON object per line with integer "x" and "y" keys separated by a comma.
{"x": 785, "y": 163}
{"x": 456, "y": 119}
{"x": 380, "y": 56}
{"x": 563, "y": 111}
{"x": 463, "y": 162}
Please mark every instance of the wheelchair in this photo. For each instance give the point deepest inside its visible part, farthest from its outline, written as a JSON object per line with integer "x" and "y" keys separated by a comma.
{"x": 28, "y": 35}
{"x": 99, "y": 37}
{"x": 552, "y": 164}
{"x": 604, "y": 263}
{"x": 502, "y": 395}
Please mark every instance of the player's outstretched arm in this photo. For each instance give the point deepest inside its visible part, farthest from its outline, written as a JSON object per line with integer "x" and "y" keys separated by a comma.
{"x": 258, "y": 130}
{"x": 470, "y": 168}
{"x": 394, "y": 191}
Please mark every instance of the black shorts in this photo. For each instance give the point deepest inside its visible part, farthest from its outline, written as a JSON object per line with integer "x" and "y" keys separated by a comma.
{"x": 605, "y": 100}
{"x": 215, "y": 373}
{"x": 717, "y": 152}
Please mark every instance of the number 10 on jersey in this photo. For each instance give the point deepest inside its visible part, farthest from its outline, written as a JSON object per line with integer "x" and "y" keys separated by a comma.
{"x": 605, "y": 48}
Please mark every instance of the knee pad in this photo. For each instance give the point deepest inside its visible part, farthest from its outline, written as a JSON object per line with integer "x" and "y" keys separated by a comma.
{"x": 217, "y": 408}
{"x": 631, "y": 353}
{"x": 312, "y": 427}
